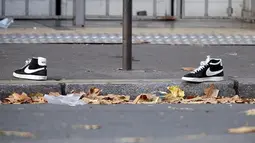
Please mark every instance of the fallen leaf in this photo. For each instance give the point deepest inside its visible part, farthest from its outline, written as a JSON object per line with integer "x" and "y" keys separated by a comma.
{"x": 17, "y": 133}
{"x": 190, "y": 97}
{"x": 23, "y": 98}
{"x": 54, "y": 94}
{"x": 175, "y": 91}
{"x": 94, "y": 97}
{"x": 132, "y": 140}
{"x": 183, "y": 109}
{"x": 250, "y": 112}
{"x": 175, "y": 95}
{"x": 242, "y": 130}
{"x": 90, "y": 101}
{"x": 211, "y": 92}
{"x": 94, "y": 91}
{"x": 146, "y": 99}
{"x": 188, "y": 68}
{"x": 87, "y": 127}
{"x": 193, "y": 137}
{"x": 115, "y": 99}
{"x": 16, "y": 98}
{"x": 39, "y": 100}
{"x": 36, "y": 95}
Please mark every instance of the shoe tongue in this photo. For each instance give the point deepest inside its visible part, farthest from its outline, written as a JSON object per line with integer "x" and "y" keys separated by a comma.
{"x": 207, "y": 59}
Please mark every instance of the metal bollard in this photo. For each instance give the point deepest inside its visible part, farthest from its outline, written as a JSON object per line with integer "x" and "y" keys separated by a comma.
{"x": 127, "y": 35}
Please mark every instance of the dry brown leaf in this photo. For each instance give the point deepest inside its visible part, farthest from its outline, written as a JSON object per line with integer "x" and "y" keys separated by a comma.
{"x": 94, "y": 92}
{"x": 132, "y": 140}
{"x": 16, "y": 98}
{"x": 188, "y": 68}
{"x": 54, "y": 94}
{"x": 250, "y": 112}
{"x": 87, "y": 127}
{"x": 23, "y": 98}
{"x": 242, "y": 130}
{"x": 211, "y": 92}
{"x": 36, "y": 95}
{"x": 90, "y": 101}
{"x": 193, "y": 137}
{"x": 106, "y": 99}
{"x": 115, "y": 99}
{"x": 17, "y": 133}
{"x": 146, "y": 99}
{"x": 39, "y": 100}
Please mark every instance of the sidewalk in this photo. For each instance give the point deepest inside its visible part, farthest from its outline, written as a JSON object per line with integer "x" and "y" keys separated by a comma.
{"x": 183, "y": 32}
{"x": 225, "y": 27}
{"x": 78, "y": 67}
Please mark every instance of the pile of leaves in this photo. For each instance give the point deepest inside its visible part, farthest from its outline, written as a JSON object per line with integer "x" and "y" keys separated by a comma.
{"x": 175, "y": 95}
{"x": 210, "y": 97}
{"x": 94, "y": 96}
{"x": 23, "y": 98}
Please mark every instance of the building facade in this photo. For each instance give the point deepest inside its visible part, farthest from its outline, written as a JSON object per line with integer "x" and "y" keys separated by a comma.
{"x": 113, "y": 8}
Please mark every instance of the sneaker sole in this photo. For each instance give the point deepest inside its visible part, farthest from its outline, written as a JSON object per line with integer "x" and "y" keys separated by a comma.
{"x": 190, "y": 79}
{"x": 32, "y": 77}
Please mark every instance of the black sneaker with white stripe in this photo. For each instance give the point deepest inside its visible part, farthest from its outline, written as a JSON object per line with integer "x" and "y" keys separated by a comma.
{"x": 34, "y": 69}
{"x": 209, "y": 70}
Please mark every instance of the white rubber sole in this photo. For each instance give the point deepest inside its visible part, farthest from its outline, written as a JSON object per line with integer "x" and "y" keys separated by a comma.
{"x": 190, "y": 79}
{"x": 32, "y": 77}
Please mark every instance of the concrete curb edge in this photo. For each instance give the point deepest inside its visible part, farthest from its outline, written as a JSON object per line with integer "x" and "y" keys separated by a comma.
{"x": 229, "y": 87}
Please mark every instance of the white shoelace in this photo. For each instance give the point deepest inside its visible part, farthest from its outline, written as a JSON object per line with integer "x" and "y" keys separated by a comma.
{"x": 27, "y": 62}
{"x": 202, "y": 65}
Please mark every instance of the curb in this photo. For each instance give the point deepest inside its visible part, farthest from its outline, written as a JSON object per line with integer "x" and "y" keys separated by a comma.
{"x": 120, "y": 87}
{"x": 246, "y": 87}
{"x": 8, "y": 87}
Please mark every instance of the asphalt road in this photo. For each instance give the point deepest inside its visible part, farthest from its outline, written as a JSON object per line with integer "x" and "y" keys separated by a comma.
{"x": 152, "y": 123}
{"x": 103, "y": 61}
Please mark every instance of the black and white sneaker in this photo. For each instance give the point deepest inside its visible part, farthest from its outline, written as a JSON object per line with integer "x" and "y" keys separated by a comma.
{"x": 209, "y": 70}
{"x": 34, "y": 69}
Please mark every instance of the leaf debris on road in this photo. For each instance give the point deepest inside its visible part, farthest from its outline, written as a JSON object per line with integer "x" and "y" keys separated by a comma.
{"x": 93, "y": 96}
{"x": 132, "y": 140}
{"x": 188, "y": 68}
{"x": 17, "y": 133}
{"x": 146, "y": 99}
{"x": 174, "y": 95}
{"x": 87, "y": 127}
{"x": 250, "y": 112}
{"x": 194, "y": 137}
{"x": 23, "y": 98}
{"x": 242, "y": 130}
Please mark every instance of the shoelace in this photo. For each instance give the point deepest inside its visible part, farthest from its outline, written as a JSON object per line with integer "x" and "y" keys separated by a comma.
{"x": 202, "y": 66}
{"x": 27, "y": 62}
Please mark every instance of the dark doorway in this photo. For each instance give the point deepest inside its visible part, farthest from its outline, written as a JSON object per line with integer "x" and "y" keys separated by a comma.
{"x": 172, "y": 7}
{"x": 58, "y": 7}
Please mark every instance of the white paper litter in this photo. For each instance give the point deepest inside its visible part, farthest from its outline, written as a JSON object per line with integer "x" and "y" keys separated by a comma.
{"x": 5, "y": 23}
{"x": 70, "y": 99}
